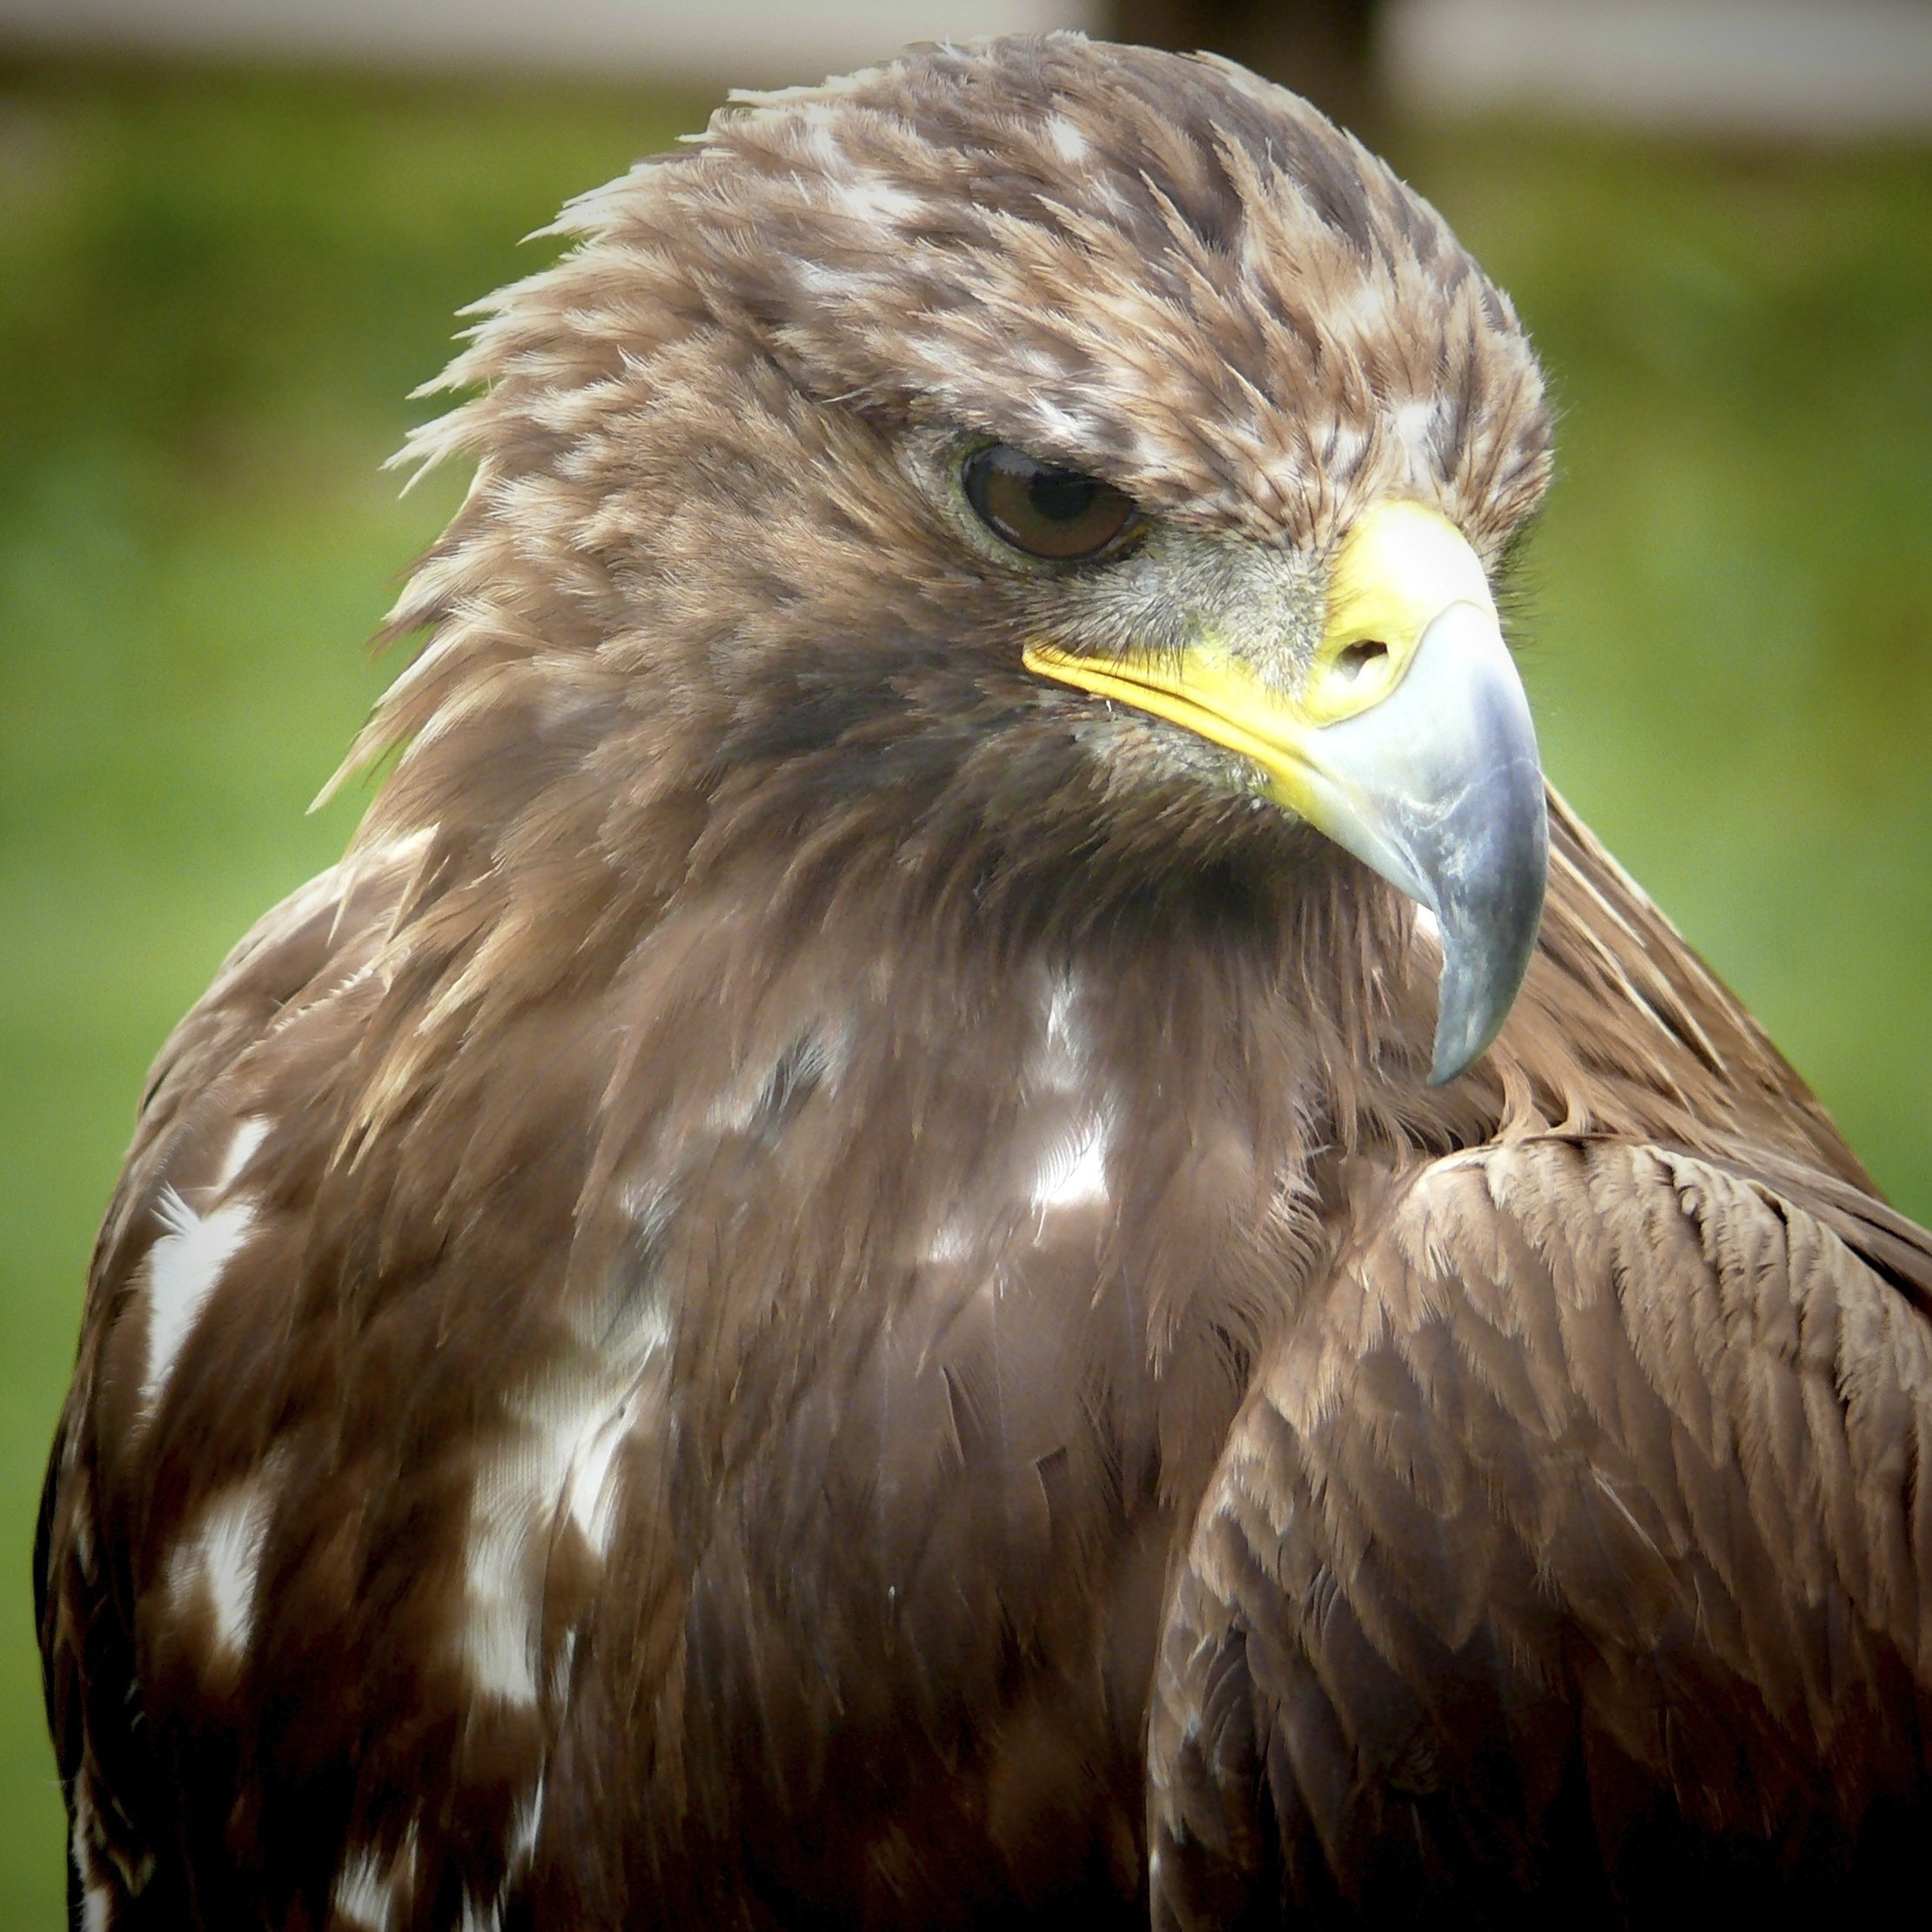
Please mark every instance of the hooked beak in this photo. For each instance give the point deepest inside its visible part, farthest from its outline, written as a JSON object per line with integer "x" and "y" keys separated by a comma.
{"x": 1408, "y": 742}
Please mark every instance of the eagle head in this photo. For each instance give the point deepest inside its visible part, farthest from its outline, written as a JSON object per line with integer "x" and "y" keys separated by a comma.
{"x": 1053, "y": 470}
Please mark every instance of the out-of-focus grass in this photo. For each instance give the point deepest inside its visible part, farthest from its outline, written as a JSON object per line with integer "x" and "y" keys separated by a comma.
{"x": 1731, "y": 652}
{"x": 215, "y": 290}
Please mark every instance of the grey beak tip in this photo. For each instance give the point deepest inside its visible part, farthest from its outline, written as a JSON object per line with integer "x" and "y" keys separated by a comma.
{"x": 1457, "y": 1049}
{"x": 1474, "y": 1003}
{"x": 1463, "y": 1032}
{"x": 1489, "y": 936}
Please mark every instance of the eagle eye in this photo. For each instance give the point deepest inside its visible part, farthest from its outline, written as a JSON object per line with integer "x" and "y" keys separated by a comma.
{"x": 1044, "y": 509}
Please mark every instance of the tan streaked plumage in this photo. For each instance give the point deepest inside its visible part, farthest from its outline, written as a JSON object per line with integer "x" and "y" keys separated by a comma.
{"x": 819, "y": 1285}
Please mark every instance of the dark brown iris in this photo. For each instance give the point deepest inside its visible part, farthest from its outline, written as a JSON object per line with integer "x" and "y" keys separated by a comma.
{"x": 1044, "y": 508}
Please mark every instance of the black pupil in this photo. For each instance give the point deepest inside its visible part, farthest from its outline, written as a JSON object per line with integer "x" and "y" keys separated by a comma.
{"x": 1061, "y": 495}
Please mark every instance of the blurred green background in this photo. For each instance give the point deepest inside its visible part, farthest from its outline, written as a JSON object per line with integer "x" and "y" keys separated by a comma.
{"x": 216, "y": 288}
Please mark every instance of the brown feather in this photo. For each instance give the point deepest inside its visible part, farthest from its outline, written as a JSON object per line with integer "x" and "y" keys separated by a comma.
{"x": 1568, "y": 1533}
{"x": 681, "y": 1331}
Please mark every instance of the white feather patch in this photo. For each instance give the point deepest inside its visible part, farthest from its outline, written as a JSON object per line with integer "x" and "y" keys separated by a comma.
{"x": 482, "y": 1916}
{"x": 221, "y": 1562}
{"x": 1073, "y": 1170}
{"x": 525, "y": 1823}
{"x": 180, "y": 1272}
{"x": 875, "y": 201}
{"x": 1414, "y": 421}
{"x": 950, "y": 1244}
{"x": 97, "y": 1900}
{"x": 1069, "y": 143}
{"x": 249, "y": 1136}
{"x": 560, "y": 1459}
{"x": 365, "y": 1891}
{"x": 1060, "y": 1060}
{"x": 368, "y": 1890}
{"x": 188, "y": 1259}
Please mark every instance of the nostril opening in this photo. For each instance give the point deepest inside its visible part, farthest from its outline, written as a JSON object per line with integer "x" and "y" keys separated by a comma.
{"x": 1354, "y": 659}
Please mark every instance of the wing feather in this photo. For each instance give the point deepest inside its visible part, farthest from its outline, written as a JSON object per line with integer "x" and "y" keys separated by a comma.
{"x": 1575, "y": 1525}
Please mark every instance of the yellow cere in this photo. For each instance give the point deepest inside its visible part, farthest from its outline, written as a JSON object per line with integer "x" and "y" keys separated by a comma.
{"x": 1399, "y": 567}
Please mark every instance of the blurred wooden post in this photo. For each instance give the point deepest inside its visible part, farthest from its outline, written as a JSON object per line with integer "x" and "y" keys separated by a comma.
{"x": 1320, "y": 48}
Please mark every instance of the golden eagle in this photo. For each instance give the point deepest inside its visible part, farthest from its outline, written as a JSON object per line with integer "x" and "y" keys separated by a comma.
{"x": 874, "y": 1260}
